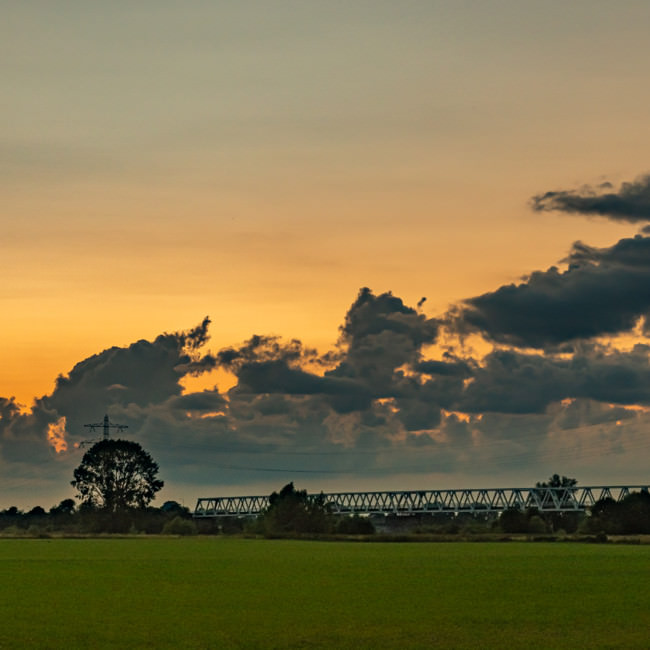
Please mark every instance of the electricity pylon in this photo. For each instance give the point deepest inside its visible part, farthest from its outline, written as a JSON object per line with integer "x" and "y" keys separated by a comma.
{"x": 106, "y": 425}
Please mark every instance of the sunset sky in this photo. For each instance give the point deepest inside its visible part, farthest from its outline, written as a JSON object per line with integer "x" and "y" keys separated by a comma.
{"x": 310, "y": 171}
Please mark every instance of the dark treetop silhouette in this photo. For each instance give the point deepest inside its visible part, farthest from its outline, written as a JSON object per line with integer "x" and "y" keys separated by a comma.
{"x": 115, "y": 475}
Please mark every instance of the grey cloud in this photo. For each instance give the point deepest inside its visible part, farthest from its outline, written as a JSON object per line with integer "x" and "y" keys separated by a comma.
{"x": 512, "y": 382}
{"x": 418, "y": 414}
{"x": 259, "y": 349}
{"x": 628, "y": 253}
{"x": 23, "y": 436}
{"x": 603, "y": 292}
{"x": 140, "y": 375}
{"x": 381, "y": 334}
{"x": 630, "y": 203}
{"x": 147, "y": 372}
{"x": 265, "y": 365}
{"x": 371, "y": 315}
{"x": 453, "y": 367}
{"x": 278, "y": 377}
{"x": 586, "y": 412}
{"x": 8, "y": 409}
{"x": 377, "y": 410}
{"x": 206, "y": 401}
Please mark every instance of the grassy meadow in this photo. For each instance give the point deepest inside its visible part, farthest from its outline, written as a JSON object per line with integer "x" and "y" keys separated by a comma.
{"x": 240, "y": 593}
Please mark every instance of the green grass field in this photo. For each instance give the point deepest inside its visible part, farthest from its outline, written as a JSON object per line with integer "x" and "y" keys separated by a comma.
{"x": 237, "y": 593}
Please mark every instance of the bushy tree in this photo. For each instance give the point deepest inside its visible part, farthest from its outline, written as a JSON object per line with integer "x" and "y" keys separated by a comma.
{"x": 566, "y": 521}
{"x": 557, "y": 481}
{"x": 629, "y": 516}
{"x": 116, "y": 475}
{"x": 294, "y": 511}
{"x": 173, "y": 508}
{"x": 513, "y": 520}
{"x": 179, "y": 526}
{"x": 355, "y": 525}
{"x": 65, "y": 508}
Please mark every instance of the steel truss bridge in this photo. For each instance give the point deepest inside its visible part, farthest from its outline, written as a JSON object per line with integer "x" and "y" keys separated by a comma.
{"x": 472, "y": 501}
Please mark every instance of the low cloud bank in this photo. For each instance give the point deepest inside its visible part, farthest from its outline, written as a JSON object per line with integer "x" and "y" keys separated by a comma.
{"x": 397, "y": 395}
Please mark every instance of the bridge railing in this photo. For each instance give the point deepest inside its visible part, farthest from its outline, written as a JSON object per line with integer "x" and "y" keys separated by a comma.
{"x": 473, "y": 501}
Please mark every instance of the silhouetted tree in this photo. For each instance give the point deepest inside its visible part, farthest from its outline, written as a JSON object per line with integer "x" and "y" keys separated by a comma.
{"x": 567, "y": 521}
{"x": 11, "y": 517}
{"x": 179, "y": 526}
{"x": 294, "y": 511}
{"x": 355, "y": 525}
{"x": 173, "y": 508}
{"x": 66, "y": 507}
{"x": 628, "y": 516}
{"x": 513, "y": 520}
{"x": 635, "y": 513}
{"x": 116, "y": 475}
{"x": 557, "y": 481}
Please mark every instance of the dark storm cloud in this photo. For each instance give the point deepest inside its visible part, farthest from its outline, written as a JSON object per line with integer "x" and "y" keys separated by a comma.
{"x": 630, "y": 203}
{"x": 374, "y": 405}
{"x": 278, "y": 377}
{"x": 581, "y": 412}
{"x": 23, "y": 436}
{"x": 455, "y": 368}
{"x": 603, "y": 292}
{"x": 381, "y": 334}
{"x": 205, "y": 401}
{"x": 512, "y": 382}
{"x": 371, "y": 315}
{"x": 264, "y": 365}
{"x": 140, "y": 375}
{"x": 8, "y": 409}
{"x": 283, "y": 402}
{"x": 418, "y": 414}
{"x": 259, "y": 349}
{"x": 629, "y": 253}
{"x": 145, "y": 372}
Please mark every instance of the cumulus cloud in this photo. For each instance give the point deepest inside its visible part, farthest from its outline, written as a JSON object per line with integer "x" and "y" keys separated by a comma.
{"x": 380, "y": 334}
{"x": 145, "y": 372}
{"x": 512, "y": 382}
{"x": 602, "y": 292}
{"x": 142, "y": 374}
{"x": 376, "y": 405}
{"x": 630, "y": 203}
{"x": 291, "y": 407}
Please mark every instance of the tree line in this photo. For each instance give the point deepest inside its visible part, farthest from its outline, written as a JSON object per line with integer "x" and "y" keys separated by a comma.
{"x": 68, "y": 518}
{"x": 294, "y": 511}
{"x": 117, "y": 480}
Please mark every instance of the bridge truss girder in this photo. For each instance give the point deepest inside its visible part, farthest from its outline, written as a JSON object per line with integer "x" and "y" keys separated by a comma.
{"x": 472, "y": 501}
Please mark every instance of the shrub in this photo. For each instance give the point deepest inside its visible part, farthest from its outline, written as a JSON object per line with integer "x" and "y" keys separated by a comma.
{"x": 355, "y": 525}
{"x": 536, "y": 525}
{"x": 179, "y": 526}
{"x": 294, "y": 511}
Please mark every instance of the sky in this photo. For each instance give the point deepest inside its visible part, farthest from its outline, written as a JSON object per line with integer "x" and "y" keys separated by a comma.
{"x": 368, "y": 245}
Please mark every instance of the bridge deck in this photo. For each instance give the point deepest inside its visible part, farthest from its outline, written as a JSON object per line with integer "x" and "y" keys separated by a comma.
{"x": 474, "y": 501}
